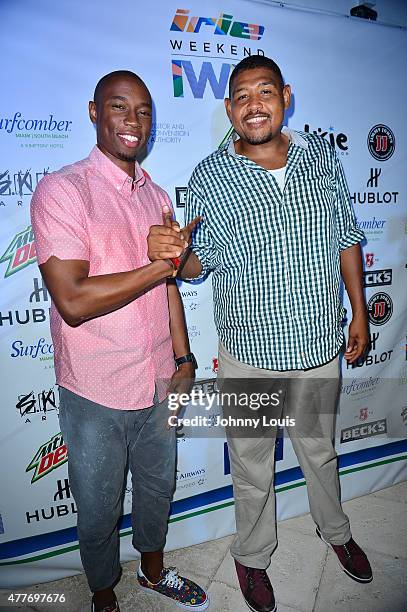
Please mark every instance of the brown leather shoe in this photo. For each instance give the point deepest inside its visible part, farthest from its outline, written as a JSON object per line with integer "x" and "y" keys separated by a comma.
{"x": 256, "y": 588}
{"x": 352, "y": 559}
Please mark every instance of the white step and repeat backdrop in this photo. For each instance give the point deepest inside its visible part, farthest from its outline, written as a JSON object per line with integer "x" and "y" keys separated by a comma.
{"x": 348, "y": 86}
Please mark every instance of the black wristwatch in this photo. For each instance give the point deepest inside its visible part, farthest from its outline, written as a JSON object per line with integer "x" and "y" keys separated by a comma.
{"x": 189, "y": 358}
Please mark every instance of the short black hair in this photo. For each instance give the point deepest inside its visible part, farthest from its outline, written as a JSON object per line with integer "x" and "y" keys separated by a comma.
{"x": 112, "y": 75}
{"x": 250, "y": 63}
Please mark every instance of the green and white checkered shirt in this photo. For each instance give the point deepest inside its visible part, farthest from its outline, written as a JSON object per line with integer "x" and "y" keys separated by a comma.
{"x": 274, "y": 255}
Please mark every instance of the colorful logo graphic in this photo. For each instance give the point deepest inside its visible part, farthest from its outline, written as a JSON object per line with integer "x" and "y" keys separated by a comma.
{"x": 380, "y": 308}
{"x": 363, "y": 414}
{"x": 48, "y": 457}
{"x": 20, "y": 253}
{"x": 381, "y": 142}
{"x": 369, "y": 259}
{"x": 222, "y": 25}
{"x": 211, "y": 44}
{"x": 181, "y": 68}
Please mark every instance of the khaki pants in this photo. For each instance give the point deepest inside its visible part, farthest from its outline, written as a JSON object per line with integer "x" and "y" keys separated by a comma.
{"x": 309, "y": 396}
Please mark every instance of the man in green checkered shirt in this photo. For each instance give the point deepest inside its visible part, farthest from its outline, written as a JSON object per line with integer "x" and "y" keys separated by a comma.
{"x": 277, "y": 233}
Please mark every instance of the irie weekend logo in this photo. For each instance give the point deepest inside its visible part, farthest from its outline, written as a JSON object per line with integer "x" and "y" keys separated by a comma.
{"x": 211, "y": 39}
{"x": 20, "y": 252}
{"x": 48, "y": 457}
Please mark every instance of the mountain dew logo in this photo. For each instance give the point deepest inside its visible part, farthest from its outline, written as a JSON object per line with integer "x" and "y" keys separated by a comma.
{"x": 20, "y": 253}
{"x": 48, "y": 457}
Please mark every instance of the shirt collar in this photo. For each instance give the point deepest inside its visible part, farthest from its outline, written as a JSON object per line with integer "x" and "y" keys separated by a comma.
{"x": 118, "y": 177}
{"x": 293, "y": 136}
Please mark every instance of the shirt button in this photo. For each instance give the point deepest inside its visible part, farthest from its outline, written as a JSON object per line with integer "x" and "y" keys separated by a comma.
{"x": 129, "y": 180}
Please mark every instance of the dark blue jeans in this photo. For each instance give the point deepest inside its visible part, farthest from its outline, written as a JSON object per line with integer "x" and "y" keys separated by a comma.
{"x": 101, "y": 442}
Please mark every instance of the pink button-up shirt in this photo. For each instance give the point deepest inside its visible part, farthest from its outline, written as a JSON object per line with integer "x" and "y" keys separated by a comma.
{"x": 91, "y": 210}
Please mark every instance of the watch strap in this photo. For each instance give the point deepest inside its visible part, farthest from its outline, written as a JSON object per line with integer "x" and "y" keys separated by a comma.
{"x": 188, "y": 358}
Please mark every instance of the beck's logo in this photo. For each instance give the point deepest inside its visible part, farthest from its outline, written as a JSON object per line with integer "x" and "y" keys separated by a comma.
{"x": 367, "y": 430}
{"x": 380, "y": 308}
{"x": 376, "y": 278}
{"x": 48, "y": 457}
{"x": 381, "y": 142}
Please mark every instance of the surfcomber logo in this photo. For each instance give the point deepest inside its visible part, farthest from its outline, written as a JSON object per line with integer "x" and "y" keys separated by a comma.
{"x": 19, "y": 124}
{"x": 20, "y": 252}
{"x": 48, "y": 457}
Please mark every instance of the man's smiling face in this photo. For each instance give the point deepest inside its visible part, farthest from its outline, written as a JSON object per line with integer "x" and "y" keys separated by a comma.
{"x": 122, "y": 115}
{"x": 257, "y": 105}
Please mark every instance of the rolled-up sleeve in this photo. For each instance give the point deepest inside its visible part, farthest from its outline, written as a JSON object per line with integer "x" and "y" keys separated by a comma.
{"x": 202, "y": 244}
{"x": 348, "y": 232}
{"x": 57, "y": 221}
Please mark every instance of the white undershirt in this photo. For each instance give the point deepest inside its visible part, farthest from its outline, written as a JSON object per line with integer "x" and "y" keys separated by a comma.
{"x": 279, "y": 175}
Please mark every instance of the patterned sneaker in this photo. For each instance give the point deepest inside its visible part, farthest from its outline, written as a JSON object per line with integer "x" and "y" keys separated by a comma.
{"x": 184, "y": 592}
{"x": 352, "y": 559}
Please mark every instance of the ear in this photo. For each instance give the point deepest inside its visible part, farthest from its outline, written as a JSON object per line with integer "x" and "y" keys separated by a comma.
{"x": 92, "y": 112}
{"x": 287, "y": 96}
{"x": 228, "y": 108}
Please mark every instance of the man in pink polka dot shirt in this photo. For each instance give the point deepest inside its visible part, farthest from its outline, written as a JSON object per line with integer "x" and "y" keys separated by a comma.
{"x": 117, "y": 323}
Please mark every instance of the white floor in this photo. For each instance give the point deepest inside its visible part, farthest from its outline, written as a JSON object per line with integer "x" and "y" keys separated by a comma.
{"x": 304, "y": 573}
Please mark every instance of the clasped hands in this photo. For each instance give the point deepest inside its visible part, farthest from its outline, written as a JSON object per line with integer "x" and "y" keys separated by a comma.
{"x": 169, "y": 242}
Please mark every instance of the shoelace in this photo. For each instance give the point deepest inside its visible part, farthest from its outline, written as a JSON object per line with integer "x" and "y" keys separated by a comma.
{"x": 172, "y": 579}
{"x": 250, "y": 577}
{"x": 348, "y": 554}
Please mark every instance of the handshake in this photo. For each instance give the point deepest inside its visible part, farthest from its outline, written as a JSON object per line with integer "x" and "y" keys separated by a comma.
{"x": 169, "y": 242}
